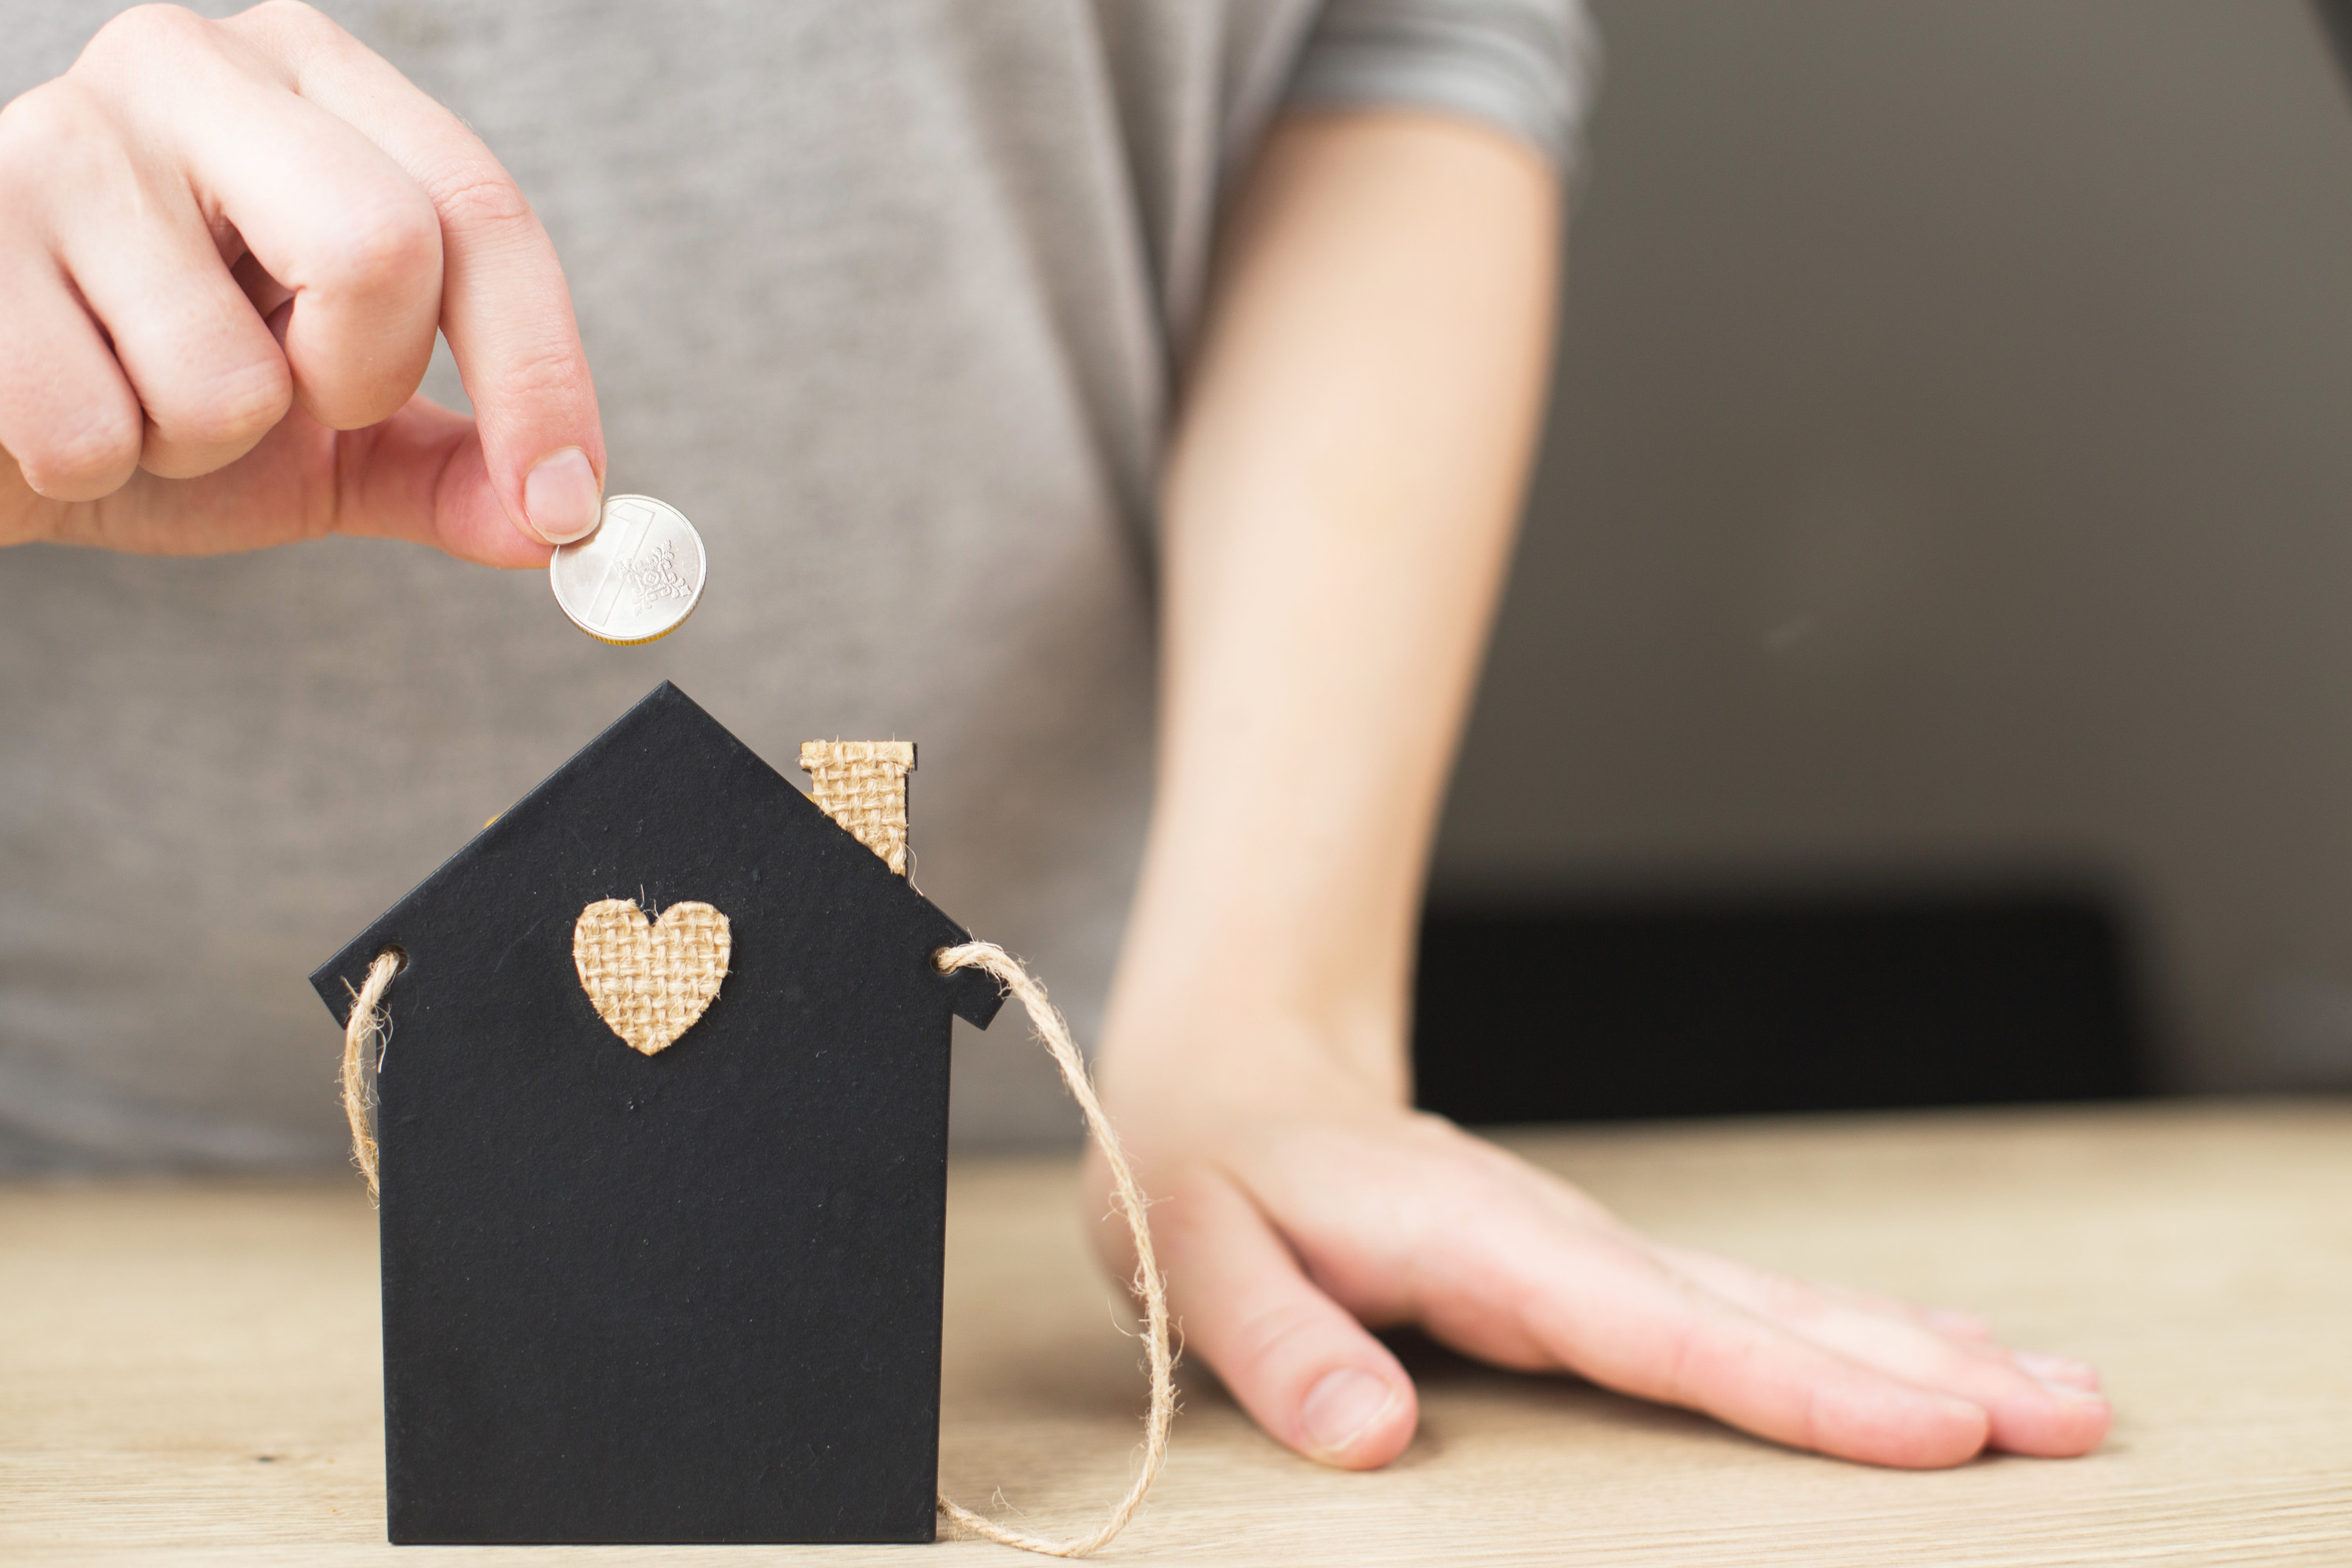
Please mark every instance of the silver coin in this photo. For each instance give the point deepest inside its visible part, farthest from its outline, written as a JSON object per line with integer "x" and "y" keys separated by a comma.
{"x": 637, "y": 578}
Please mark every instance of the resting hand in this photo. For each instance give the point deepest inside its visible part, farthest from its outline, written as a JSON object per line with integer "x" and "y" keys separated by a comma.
{"x": 1287, "y": 1230}
{"x": 225, "y": 248}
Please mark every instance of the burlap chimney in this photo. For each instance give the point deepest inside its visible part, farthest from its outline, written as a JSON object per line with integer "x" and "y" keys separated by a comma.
{"x": 862, "y": 784}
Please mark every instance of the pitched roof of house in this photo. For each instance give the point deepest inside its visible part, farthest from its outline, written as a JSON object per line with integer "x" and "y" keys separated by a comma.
{"x": 665, "y": 806}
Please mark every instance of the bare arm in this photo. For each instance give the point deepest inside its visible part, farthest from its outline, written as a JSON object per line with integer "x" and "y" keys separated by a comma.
{"x": 1339, "y": 506}
{"x": 1338, "y": 509}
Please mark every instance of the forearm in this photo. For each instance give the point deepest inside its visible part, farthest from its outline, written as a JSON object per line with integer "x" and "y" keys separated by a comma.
{"x": 1337, "y": 513}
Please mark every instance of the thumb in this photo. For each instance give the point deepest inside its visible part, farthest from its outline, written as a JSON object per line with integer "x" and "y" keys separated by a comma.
{"x": 419, "y": 475}
{"x": 422, "y": 475}
{"x": 1295, "y": 1359}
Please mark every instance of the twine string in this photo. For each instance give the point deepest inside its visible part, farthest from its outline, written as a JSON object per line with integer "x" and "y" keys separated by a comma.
{"x": 364, "y": 1035}
{"x": 1047, "y": 1021}
{"x": 364, "y": 1032}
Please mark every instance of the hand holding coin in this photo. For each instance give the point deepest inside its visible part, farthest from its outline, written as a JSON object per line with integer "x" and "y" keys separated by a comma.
{"x": 225, "y": 248}
{"x": 637, "y": 578}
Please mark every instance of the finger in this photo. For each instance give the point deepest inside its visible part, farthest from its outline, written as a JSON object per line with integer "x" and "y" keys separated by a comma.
{"x": 1958, "y": 1324}
{"x": 504, "y": 306}
{"x": 206, "y": 371}
{"x": 1613, "y": 1313}
{"x": 2058, "y": 1369}
{"x": 68, "y": 417}
{"x": 1756, "y": 1288}
{"x": 2049, "y": 1416}
{"x": 2029, "y": 1415}
{"x": 351, "y": 237}
{"x": 1303, "y": 1369}
{"x": 326, "y": 212}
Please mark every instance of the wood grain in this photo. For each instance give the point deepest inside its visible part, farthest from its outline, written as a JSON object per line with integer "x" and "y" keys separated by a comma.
{"x": 188, "y": 1372}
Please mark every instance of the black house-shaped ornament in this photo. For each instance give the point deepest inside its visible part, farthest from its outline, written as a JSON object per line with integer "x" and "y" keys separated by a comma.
{"x": 690, "y": 1296}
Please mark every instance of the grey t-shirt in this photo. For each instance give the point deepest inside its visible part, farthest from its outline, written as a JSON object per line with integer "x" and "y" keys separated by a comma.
{"x": 885, "y": 297}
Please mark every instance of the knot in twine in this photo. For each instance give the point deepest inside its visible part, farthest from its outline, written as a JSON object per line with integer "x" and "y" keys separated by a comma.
{"x": 368, "y": 1028}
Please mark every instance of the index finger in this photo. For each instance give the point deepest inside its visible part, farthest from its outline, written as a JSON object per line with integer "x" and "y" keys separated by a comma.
{"x": 505, "y": 308}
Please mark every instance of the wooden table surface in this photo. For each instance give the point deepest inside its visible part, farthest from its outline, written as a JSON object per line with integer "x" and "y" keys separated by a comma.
{"x": 188, "y": 1372}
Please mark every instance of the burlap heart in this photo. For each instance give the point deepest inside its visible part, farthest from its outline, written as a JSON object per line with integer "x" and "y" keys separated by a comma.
{"x": 650, "y": 980}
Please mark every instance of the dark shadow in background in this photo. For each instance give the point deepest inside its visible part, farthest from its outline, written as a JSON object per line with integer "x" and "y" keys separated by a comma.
{"x": 1598, "y": 1006}
{"x": 1746, "y": 1004}
{"x": 2336, "y": 15}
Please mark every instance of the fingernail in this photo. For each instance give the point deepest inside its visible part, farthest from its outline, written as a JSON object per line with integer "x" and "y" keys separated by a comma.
{"x": 2071, "y": 1392}
{"x": 559, "y": 500}
{"x": 2043, "y": 1367}
{"x": 1342, "y": 1407}
{"x": 2067, "y": 1393}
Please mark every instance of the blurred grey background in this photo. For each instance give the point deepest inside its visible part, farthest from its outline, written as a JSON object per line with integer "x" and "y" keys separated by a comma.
{"x": 1947, "y": 496}
{"x": 1948, "y": 483}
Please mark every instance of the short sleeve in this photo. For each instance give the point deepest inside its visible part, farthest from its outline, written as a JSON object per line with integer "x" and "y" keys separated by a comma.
{"x": 1528, "y": 66}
